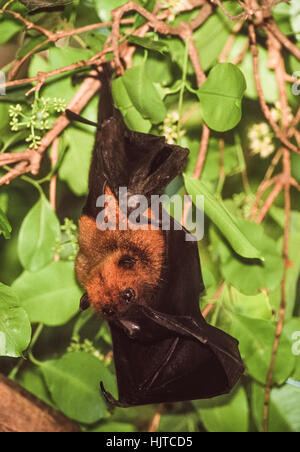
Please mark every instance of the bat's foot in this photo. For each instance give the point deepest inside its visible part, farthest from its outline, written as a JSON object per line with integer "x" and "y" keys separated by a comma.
{"x": 110, "y": 399}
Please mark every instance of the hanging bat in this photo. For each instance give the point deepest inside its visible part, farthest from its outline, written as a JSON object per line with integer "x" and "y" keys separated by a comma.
{"x": 146, "y": 282}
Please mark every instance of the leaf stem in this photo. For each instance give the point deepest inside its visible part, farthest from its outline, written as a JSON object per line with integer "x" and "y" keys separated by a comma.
{"x": 34, "y": 183}
{"x": 35, "y": 337}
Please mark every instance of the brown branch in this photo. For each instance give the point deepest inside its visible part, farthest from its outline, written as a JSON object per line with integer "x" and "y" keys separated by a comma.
{"x": 243, "y": 15}
{"x": 262, "y": 189}
{"x": 59, "y": 35}
{"x": 280, "y": 323}
{"x": 230, "y": 41}
{"x": 272, "y": 27}
{"x": 269, "y": 202}
{"x": 86, "y": 91}
{"x": 267, "y": 112}
{"x": 53, "y": 181}
{"x": 202, "y": 152}
{"x": 7, "y": 159}
{"x": 41, "y": 77}
{"x": 275, "y": 47}
{"x": 22, "y": 412}
{"x": 157, "y": 24}
{"x": 20, "y": 169}
{"x": 29, "y": 25}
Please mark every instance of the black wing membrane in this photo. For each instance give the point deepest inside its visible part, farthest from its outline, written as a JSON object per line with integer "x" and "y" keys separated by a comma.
{"x": 170, "y": 353}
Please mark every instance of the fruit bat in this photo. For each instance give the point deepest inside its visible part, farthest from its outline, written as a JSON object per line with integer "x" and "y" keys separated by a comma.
{"x": 146, "y": 282}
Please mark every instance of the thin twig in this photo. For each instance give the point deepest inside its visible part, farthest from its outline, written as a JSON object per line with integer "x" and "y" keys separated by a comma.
{"x": 156, "y": 419}
{"x": 267, "y": 112}
{"x": 53, "y": 181}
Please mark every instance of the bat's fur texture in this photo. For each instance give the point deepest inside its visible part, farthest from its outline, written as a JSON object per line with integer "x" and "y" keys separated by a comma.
{"x": 119, "y": 267}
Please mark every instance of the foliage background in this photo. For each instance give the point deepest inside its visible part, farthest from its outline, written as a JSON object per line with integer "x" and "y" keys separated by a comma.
{"x": 251, "y": 285}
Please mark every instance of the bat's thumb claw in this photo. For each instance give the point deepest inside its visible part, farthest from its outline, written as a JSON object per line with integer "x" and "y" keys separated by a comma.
{"x": 110, "y": 399}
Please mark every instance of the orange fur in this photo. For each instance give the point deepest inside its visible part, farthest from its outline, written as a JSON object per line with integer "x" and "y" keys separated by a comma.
{"x": 98, "y": 269}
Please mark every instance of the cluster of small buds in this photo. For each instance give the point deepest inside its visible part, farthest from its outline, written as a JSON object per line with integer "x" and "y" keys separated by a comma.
{"x": 261, "y": 140}
{"x": 174, "y": 6}
{"x": 85, "y": 346}
{"x": 244, "y": 202}
{"x": 35, "y": 118}
{"x": 67, "y": 246}
{"x": 34, "y": 141}
{"x": 276, "y": 113}
{"x": 15, "y": 111}
{"x": 169, "y": 128}
{"x": 59, "y": 104}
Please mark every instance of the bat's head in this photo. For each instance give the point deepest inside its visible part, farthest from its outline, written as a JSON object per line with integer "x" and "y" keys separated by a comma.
{"x": 119, "y": 269}
{"x": 118, "y": 282}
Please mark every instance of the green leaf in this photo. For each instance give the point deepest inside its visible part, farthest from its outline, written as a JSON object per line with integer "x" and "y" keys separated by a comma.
{"x": 295, "y": 17}
{"x": 76, "y": 162}
{"x": 222, "y": 218}
{"x": 284, "y": 409}
{"x": 104, "y": 8}
{"x": 213, "y": 34}
{"x": 116, "y": 427}
{"x": 255, "y": 307}
{"x": 51, "y": 295}
{"x": 95, "y": 41}
{"x": 221, "y": 97}
{"x": 250, "y": 277}
{"x": 292, "y": 332}
{"x": 73, "y": 382}
{"x": 148, "y": 43}
{"x": 9, "y": 28}
{"x": 32, "y": 380}
{"x": 132, "y": 117}
{"x": 15, "y": 329}
{"x": 38, "y": 234}
{"x": 256, "y": 338}
{"x": 143, "y": 94}
{"x": 178, "y": 423}
{"x": 5, "y": 227}
{"x": 225, "y": 414}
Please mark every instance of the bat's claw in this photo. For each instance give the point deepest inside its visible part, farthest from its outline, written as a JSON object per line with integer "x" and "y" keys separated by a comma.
{"x": 110, "y": 399}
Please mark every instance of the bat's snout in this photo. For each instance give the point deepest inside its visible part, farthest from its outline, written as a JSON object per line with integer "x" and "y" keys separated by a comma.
{"x": 108, "y": 310}
{"x": 128, "y": 295}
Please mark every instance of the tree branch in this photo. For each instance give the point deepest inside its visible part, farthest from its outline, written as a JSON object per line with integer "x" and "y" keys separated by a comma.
{"x": 22, "y": 412}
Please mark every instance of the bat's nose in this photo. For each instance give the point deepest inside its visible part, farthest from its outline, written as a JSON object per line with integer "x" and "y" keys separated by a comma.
{"x": 108, "y": 310}
{"x": 128, "y": 295}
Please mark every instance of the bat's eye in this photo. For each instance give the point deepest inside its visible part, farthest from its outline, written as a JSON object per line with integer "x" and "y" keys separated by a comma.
{"x": 128, "y": 295}
{"x": 108, "y": 310}
{"x": 127, "y": 261}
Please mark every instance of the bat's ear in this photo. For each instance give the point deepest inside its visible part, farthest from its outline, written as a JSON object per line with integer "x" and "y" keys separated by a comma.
{"x": 159, "y": 163}
{"x": 84, "y": 302}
